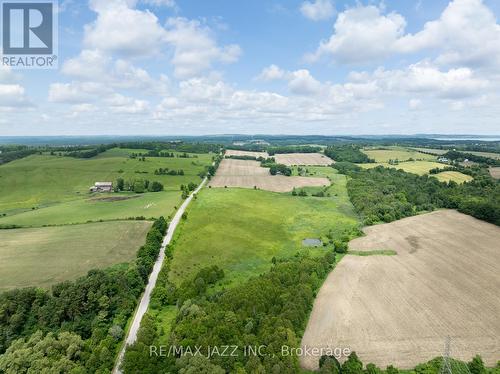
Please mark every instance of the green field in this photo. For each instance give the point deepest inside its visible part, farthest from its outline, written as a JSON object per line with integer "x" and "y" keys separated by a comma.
{"x": 56, "y": 188}
{"x": 454, "y": 176}
{"x": 415, "y": 167}
{"x": 45, "y": 256}
{"x": 443, "y": 151}
{"x": 241, "y": 230}
{"x": 396, "y": 153}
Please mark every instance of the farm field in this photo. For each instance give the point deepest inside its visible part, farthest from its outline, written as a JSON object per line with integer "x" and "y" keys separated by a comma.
{"x": 415, "y": 167}
{"x": 307, "y": 159}
{"x": 435, "y": 151}
{"x": 495, "y": 172}
{"x": 233, "y": 152}
{"x": 455, "y": 176}
{"x": 399, "y": 309}
{"x": 249, "y": 227}
{"x": 100, "y": 207}
{"x": 495, "y": 156}
{"x": 43, "y": 181}
{"x": 45, "y": 256}
{"x": 249, "y": 174}
{"x": 401, "y": 154}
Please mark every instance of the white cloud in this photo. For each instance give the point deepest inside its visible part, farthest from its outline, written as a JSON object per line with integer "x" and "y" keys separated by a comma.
{"x": 318, "y": 10}
{"x": 465, "y": 34}
{"x": 303, "y": 83}
{"x": 414, "y": 104}
{"x": 160, "y": 3}
{"x": 270, "y": 73}
{"x": 12, "y": 96}
{"x": 77, "y": 92}
{"x": 123, "y": 30}
{"x": 361, "y": 34}
{"x": 195, "y": 48}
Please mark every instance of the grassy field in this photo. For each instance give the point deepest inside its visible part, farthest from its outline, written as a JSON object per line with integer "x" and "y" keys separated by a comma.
{"x": 396, "y": 153}
{"x": 415, "y": 167}
{"x": 45, "y": 256}
{"x": 102, "y": 207}
{"x": 44, "y": 181}
{"x": 242, "y": 230}
{"x": 443, "y": 151}
{"x": 455, "y": 176}
{"x": 432, "y": 150}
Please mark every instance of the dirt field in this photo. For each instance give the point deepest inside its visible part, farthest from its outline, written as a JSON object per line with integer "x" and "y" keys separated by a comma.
{"x": 247, "y": 174}
{"x": 307, "y": 159}
{"x": 399, "y": 309}
{"x": 495, "y": 172}
{"x": 233, "y": 152}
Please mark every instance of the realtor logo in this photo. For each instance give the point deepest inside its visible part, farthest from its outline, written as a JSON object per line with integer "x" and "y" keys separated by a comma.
{"x": 29, "y": 34}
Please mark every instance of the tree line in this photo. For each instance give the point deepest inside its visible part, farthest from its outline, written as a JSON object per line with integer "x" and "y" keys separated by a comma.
{"x": 137, "y": 185}
{"x": 386, "y": 194}
{"x": 76, "y": 327}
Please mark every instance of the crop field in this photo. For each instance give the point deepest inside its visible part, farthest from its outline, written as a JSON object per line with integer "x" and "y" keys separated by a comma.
{"x": 400, "y": 154}
{"x": 495, "y": 172}
{"x": 233, "y": 152}
{"x": 415, "y": 167}
{"x": 307, "y": 159}
{"x": 455, "y": 176}
{"x": 249, "y": 174}
{"x": 48, "y": 255}
{"x": 41, "y": 182}
{"x": 399, "y": 309}
{"x": 247, "y": 228}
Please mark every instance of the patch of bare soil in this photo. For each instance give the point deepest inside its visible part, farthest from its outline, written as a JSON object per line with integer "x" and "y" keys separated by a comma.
{"x": 249, "y": 174}
{"x": 444, "y": 281}
{"x": 306, "y": 159}
{"x": 110, "y": 199}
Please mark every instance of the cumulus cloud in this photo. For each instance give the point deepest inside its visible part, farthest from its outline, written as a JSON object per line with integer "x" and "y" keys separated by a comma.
{"x": 195, "y": 47}
{"x": 361, "y": 34}
{"x": 318, "y": 10}
{"x": 123, "y": 30}
{"x": 270, "y": 73}
{"x": 466, "y": 33}
{"x": 13, "y": 96}
{"x": 303, "y": 83}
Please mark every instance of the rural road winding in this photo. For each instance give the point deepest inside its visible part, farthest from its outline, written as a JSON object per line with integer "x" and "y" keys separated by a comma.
{"x": 143, "y": 306}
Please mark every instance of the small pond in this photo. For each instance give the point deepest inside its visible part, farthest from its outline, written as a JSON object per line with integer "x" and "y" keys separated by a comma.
{"x": 312, "y": 243}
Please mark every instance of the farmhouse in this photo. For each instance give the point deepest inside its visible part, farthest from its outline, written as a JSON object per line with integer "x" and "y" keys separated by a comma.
{"x": 102, "y": 187}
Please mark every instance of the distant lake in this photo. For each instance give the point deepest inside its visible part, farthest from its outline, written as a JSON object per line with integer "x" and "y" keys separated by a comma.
{"x": 479, "y": 139}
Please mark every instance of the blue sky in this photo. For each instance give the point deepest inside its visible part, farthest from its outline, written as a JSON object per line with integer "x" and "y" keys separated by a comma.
{"x": 278, "y": 67}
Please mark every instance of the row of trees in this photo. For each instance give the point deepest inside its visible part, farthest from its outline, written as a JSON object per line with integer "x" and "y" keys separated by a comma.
{"x": 138, "y": 185}
{"x": 76, "y": 326}
{"x": 293, "y": 149}
{"x": 167, "y": 171}
{"x": 461, "y": 156}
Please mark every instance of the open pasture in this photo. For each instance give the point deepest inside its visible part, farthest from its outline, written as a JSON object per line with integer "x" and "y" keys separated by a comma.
{"x": 400, "y": 154}
{"x": 455, "y": 176}
{"x": 249, "y": 174}
{"x": 415, "y": 167}
{"x": 434, "y": 151}
{"x": 234, "y": 152}
{"x": 495, "y": 172}
{"x": 102, "y": 207}
{"x": 48, "y": 255}
{"x": 306, "y": 159}
{"x": 399, "y": 309}
{"x": 43, "y": 181}
{"x": 241, "y": 230}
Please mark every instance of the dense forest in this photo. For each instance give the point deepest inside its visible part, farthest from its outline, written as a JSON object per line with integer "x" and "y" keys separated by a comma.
{"x": 347, "y": 153}
{"x": 384, "y": 194}
{"x": 76, "y": 326}
{"x": 269, "y": 310}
